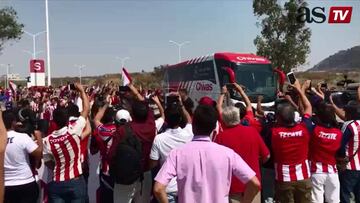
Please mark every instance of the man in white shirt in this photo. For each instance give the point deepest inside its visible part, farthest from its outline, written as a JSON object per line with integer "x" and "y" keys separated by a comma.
{"x": 20, "y": 185}
{"x": 172, "y": 138}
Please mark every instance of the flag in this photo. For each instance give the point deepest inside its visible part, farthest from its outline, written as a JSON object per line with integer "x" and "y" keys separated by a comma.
{"x": 12, "y": 86}
{"x": 125, "y": 77}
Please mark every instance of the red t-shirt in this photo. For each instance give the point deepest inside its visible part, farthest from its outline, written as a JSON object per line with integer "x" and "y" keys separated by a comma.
{"x": 246, "y": 142}
{"x": 253, "y": 122}
{"x": 145, "y": 131}
{"x": 324, "y": 144}
{"x": 290, "y": 146}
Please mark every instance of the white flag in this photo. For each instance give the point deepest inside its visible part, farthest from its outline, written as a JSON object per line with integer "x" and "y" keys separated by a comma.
{"x": 125, "y": 77}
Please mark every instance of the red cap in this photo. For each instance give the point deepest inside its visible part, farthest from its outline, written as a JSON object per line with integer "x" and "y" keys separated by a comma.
{"x": 206, "y": 101}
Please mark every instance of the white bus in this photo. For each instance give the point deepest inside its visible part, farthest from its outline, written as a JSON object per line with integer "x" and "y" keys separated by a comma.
{"x": 204, "y": 76}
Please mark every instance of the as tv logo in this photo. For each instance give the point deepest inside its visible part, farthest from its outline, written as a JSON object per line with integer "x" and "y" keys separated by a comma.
{"x": 337, "y": 14}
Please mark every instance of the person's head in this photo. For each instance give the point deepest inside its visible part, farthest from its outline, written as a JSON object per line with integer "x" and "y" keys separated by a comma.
{"x": 73, "y": 110}
{"x": 61, "y": 117}
{"x": 139, "y": 111}
{"x": 242, "y": 109}
{"x": 183, "y": 93}
{"x": 173, "y": 115}
{"x": 326, "y": 115}
{"x": 231, "y": 116}
{"x": 54, "y": 100}
{"x": 285, "y": 113}
{"x": 204, "y": 120}
{"x": 25, "y": 103}
{"x": 352, "y": 111}
{"x": 9, "y": 118}
{"x": 109, "y": 116}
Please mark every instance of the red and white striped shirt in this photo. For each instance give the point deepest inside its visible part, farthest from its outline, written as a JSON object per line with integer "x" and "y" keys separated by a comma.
{"x": 63, "y": 147}
{"x": 292, "y": 172}
{"x": 103, "y": 136}
{"x": 290, "y": 146}
{"x": 353, "y": 145}
{"x": 324, "y": 144}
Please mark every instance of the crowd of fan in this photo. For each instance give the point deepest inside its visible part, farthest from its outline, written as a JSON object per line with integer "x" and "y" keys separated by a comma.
{"x": 173, "y": 151}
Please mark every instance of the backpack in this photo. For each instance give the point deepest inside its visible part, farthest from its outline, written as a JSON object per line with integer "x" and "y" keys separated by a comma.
{"x": 125, "y": 167}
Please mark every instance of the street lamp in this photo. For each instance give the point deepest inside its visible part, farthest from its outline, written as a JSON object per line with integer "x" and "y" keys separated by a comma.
{"x": 80, "y": 67}
{"x": 34, "y": 53}
{"x": 122, "y": 60}
{"x": 47, "y": 42}
{"x": 179, "y": 46}
{"x": 7, "y": 66}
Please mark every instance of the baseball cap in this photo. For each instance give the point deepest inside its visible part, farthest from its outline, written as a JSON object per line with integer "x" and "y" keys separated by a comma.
{"x": 123, "y": 116}
{"x": 207, "y": 101}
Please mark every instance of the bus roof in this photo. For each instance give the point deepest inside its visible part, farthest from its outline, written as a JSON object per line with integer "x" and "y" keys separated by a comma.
{"x": 242, "y": 58}
{"x": 229, "y": 56}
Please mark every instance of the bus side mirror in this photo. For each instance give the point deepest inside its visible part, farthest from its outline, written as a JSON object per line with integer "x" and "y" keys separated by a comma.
{"x": 231, "y": 74}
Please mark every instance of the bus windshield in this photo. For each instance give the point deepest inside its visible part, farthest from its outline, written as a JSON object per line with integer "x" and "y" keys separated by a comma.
{"x": 258, "y": 79}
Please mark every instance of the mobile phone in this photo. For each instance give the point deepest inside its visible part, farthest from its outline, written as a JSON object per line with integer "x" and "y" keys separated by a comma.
{"x": 291, "y": 77}
{"x": 324, "y": 85}
{"x": 72, "y": 86}
{"x": 230, "y": 86}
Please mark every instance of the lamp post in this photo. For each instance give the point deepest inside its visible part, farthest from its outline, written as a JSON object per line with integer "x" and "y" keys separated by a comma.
{"x": 80, "y": 67}
{"x": 179, "y": 46}
{"x": 48, "y": 42}
{"x": 123, "y": 60}
{"x": 34, "y": 53}
{"x": 7, "y": 66}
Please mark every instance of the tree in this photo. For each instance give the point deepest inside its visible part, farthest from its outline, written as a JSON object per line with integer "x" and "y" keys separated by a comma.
{"x": 10, "y": 28}
{"x": 283, "y": 40}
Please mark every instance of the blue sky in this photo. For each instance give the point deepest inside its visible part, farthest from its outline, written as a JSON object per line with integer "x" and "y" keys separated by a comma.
{"x": 94, "y": 32}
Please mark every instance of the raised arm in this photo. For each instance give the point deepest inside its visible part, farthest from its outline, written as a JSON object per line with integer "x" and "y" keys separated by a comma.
{"x": 303, "y": 99}
{"x": 158, "y": 104}
{"x": 87, "y": 129}
{"x": 85, "y": 100}
{"x": 99, "y": 115}
{"x": 220, "y": 101}
{"x": 243, "y": 96}
{"x": 3, "y": 142}
{"x": 37, "y": 154}
{"x": 318, "y": 93}
{"x": 338, "y": 111}
{"x": 259, "y": 109}
{"x": 136, "y": 92}
{"x": 184, "y": 111}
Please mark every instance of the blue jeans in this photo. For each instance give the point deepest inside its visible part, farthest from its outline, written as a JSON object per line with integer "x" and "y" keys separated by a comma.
{"x": 71, "y": 191}
{"x": 349, "y": 183}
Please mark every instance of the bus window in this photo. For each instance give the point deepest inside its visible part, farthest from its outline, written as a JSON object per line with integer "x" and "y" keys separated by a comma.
{"x": 258, "y": 79}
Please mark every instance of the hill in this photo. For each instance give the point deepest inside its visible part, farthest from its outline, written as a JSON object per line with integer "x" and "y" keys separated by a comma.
{"x": 344, "y": 60}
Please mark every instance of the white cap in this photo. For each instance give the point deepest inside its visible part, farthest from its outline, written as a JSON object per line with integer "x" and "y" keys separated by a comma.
{"x": 123, "y": 116}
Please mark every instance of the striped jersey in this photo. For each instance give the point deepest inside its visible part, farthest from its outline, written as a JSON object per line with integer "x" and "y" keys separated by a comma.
{"x": 324, "y": 144}
{"x": 103, "y": 137}
{"x": 351, "y": 136}
{"x": 63, "y": 147}
{"x": 290, "y": 147}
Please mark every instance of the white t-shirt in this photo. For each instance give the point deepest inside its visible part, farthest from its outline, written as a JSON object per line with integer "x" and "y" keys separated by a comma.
{"x": 167, "y": 141}
{"x": 78, "y": 102}
{"x": 159, "y": 123}
{"x": 16, "y": 164}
